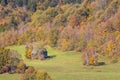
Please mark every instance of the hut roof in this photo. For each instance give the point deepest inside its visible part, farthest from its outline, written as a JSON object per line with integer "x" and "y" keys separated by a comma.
{"x": 34, "y": 51}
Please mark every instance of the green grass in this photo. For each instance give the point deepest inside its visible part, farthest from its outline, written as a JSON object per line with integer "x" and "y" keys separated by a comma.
{"x": 67, "y": 66}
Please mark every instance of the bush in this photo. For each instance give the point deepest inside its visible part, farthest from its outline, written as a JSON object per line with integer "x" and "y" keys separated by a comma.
{"x": 31, "y": 74}
{"x": 28, "y": 53}
{"x": 42, "y": 75}
{"x": 3, "y": 57}
{"x": 21, "y": 67}
{"x": 5, "y": 69}
{"x": 30, "y": 69}
{"x": 10, "y": 62}
{"x": 90, "y": 57}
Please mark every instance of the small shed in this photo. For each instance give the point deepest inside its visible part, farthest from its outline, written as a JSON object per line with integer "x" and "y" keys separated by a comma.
{"x": 39, "y": 54}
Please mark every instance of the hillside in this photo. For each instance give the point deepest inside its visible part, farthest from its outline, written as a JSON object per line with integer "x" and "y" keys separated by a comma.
{"x": 70, "y": 25}
{"x": 90, "y": 27}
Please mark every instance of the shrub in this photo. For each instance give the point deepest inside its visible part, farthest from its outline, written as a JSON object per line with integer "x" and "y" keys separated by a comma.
{"x": 31, "y": 74}
{"x": 10, "y": 61}
{"x": 42, "y": 75}
{"x": 90, "y": 57}
{"x": 3, "y": 57}
{"x": 30, "y": 69}
{"x": 21, "y": 67}
{"x": 28, "y": 53}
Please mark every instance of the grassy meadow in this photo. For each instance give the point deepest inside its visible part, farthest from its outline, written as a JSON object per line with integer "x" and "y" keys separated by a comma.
{"x": 67, "y": 66}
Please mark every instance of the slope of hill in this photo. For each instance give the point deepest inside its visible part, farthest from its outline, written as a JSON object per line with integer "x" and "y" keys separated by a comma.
{"x": 68, "y": 25}
{"x": 86, "y": 26}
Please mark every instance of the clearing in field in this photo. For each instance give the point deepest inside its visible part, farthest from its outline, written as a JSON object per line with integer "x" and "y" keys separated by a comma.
{"x": 67, "y": 66}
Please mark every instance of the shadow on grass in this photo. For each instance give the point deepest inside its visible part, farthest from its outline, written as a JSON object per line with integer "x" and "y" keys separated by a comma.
{"x": 100, "y": 64}
{"x": 50, "y": 57}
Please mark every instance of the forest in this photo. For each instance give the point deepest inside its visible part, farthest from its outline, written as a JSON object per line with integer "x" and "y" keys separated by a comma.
{"x": 90, "y": 28}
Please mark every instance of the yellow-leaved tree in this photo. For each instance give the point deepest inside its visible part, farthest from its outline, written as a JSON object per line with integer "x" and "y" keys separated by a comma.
{"x": 28, "y": 53}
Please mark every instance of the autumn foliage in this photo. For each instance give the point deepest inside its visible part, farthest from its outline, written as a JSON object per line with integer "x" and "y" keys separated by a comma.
{"x": 10, "y": 61}
{"x": 69, "y": 25}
